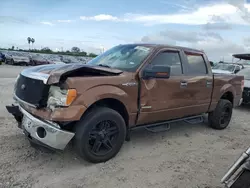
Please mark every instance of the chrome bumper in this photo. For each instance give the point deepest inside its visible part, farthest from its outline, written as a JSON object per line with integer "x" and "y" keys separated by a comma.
{"x": 240, "y": 102}
{"x": 46, "y": 132}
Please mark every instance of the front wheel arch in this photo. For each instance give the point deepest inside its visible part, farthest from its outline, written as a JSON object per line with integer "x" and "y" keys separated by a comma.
{"x": 111, "y": 103}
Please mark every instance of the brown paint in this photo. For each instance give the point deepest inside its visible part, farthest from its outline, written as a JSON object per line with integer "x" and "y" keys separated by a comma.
{"x": 160, "y": 99}
{"x": 71, "y": 113}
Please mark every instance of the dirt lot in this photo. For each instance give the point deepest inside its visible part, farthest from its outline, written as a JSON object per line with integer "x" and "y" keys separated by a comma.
{"x": 193, "y": 156}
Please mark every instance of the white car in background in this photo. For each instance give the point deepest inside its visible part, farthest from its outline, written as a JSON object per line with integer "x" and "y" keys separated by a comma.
{"x": 16, "y": 59}
{"x": 227, "y": 68}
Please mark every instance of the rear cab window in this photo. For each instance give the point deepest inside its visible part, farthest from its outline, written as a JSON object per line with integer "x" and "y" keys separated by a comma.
{"x": 196, "y": 64}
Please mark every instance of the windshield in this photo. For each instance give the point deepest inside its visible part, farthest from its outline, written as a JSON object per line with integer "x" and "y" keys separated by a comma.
{"x": 226, "y": 67}
{"x": 244, "y": 62}
{"x": 245, "y": 72}
{"x": 123, "y": 57}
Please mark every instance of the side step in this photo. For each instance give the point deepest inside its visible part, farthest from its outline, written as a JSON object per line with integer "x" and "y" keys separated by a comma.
{"x": 195, "y": 120}
{"x": 165, "y": 126}
{"x": 156, "y": 128}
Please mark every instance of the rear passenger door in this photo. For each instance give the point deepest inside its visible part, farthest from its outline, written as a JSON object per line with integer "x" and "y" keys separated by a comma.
{"x": 199, "y": 81}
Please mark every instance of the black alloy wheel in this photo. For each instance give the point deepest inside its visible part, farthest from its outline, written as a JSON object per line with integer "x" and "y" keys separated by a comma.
{"x": 225, "y": 115}
{"x": 103, "y": 137}
{"x": 100, "y": 134}
{"x": 221, "y": 116}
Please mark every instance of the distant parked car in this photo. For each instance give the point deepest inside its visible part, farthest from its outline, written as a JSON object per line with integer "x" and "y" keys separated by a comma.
{"x": 227, "y": 68}
{"x": 55, "y": 60}
{"x": 246, "y": 91}
{"x": 2, "y": 57}
{"x": 16, "y": 59}
{"x": 39, "y": 60}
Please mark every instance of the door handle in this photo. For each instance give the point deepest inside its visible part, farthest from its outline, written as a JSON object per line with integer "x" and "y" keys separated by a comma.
{"x": 209, "y": 83}
{"x": 184, "y": 84}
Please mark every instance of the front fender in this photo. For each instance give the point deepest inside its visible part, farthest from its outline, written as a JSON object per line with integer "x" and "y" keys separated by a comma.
{"x": 97, "y": 93}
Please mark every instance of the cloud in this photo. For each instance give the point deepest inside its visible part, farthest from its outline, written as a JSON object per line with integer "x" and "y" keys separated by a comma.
{"x": 179, "y": 5}
{"x": 100, "y": 17}
{"x": 11, "y": 19}
{"x": 65, "y": 21}
{"x": 47, "y": 23}
{"x": 217, "y": 23}
{"x": 212, "y": 43}
{"x": 229, "y": 12}
{"x": 242, "y": 8}
{"x": 181, "y": 36}
{"x": 217, "y": 26}
{"x": 246, "y": 41}
{"x": 218, "y": 50}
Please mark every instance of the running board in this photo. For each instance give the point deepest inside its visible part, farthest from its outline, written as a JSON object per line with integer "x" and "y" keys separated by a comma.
{"x": 195, "y": 120}
{"x": 156, "y": 128}
{"x": 165, "y": 126}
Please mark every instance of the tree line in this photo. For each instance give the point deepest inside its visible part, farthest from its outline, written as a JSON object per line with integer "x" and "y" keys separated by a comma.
{"x": 75, "y": 51}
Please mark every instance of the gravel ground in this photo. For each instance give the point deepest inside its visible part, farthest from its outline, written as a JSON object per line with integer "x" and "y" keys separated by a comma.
{"x": 193, "y": 156}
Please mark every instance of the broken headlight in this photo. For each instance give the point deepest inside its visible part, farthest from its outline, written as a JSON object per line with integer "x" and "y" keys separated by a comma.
{"x": 60, "y": 97}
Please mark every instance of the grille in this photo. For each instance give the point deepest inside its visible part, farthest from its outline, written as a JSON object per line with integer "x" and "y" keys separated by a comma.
{"x": 32, "y": 91}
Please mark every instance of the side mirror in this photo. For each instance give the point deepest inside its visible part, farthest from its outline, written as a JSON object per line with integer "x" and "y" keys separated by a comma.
{"x": 156, "y": 71}
{"x": 237, "y": 69}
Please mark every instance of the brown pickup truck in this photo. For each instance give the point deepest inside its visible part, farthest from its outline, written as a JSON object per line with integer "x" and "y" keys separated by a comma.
{"x": 97, "y": 104}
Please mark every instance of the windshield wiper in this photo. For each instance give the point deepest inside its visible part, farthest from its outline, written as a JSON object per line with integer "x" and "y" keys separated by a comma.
{"x": 104, "y": 65}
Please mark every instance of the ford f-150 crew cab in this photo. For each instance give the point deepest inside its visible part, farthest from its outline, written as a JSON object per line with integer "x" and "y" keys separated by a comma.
{"x": 134, "y": 85}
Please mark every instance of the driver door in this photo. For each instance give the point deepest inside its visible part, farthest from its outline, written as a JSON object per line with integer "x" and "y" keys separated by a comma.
{"x": 162, "y": 98}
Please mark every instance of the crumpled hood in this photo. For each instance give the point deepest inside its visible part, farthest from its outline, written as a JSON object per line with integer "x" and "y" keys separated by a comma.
{"x": 52, "y": 73}
{"x": 221, "y": 71}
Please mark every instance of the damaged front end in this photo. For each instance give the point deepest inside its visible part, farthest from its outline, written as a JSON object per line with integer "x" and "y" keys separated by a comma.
{"x": 43, "y": 102}
{"x": 15, "y": 111}
{"x": 32, "y": 94}
{"x": 40, "y": 131}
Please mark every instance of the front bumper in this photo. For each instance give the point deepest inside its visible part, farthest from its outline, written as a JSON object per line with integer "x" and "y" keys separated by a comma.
{"x": 240, "y": 102}
{"x": 48, "y": 133}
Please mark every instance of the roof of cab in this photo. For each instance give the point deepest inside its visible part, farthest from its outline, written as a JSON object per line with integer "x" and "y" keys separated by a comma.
{"x": 155, "y": 45}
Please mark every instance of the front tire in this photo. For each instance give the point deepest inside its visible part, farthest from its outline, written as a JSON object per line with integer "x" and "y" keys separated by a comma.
{"x": 100, "y": 135}
{"x": 220, "y": 118}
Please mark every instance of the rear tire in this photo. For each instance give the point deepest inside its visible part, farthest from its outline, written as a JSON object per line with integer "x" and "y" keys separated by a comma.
{"x": 100, "y": 135}
{"x": 220, "y": 118}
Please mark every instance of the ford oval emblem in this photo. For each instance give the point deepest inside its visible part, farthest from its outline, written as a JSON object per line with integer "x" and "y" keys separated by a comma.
{"x": 23, "y": 86}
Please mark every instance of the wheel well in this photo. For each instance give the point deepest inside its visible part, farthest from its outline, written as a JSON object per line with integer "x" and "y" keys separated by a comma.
{"x": 115, "y": 105}
{"x": 229, "y": 96}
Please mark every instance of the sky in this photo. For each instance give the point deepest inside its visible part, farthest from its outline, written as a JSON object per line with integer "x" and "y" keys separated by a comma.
{"x": 219, "y": 27}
